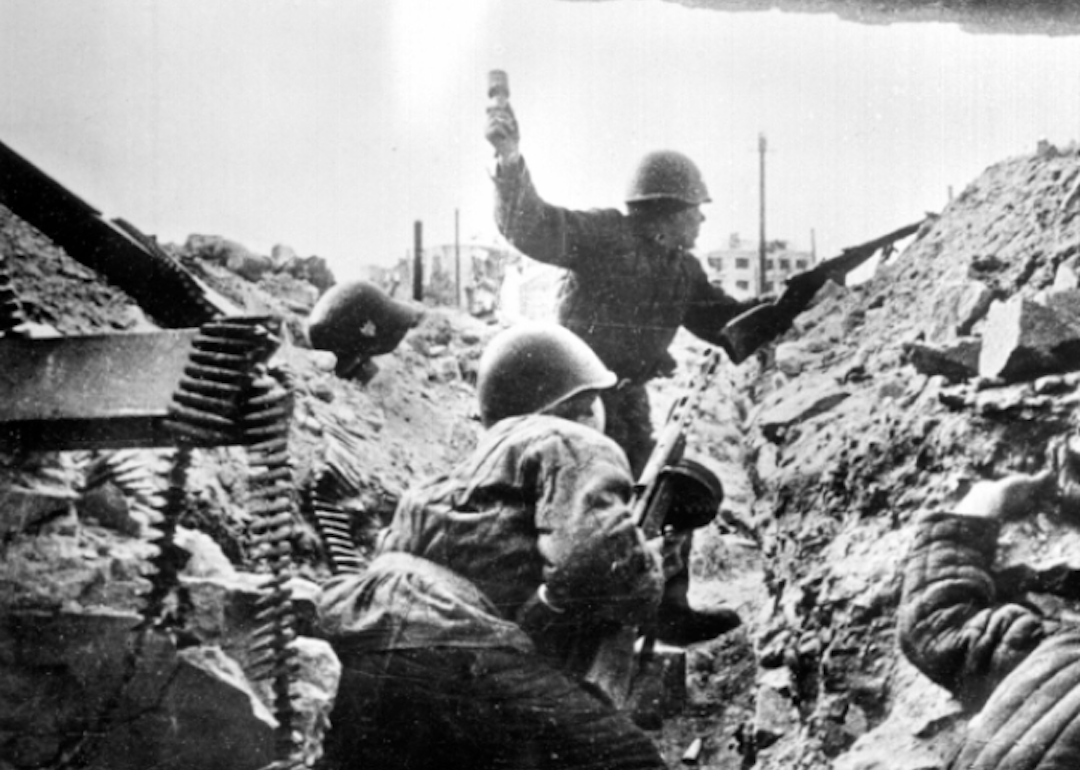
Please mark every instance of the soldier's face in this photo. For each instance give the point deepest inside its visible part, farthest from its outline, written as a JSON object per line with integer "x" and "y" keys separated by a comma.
{"x": 585, "y": 408}
{"x": 685, "y": 227}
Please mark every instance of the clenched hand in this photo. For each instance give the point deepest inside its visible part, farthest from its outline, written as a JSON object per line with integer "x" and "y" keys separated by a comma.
{"x": 503, "y": 132}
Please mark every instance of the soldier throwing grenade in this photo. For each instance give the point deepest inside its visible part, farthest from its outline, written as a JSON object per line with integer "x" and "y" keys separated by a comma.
{"x": 631, "y": 281}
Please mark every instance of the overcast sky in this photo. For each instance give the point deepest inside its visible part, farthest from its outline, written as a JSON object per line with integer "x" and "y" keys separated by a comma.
{"x": 332, "y": 125}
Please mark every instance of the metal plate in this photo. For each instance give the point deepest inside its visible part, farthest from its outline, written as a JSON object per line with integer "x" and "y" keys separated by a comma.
{"x": 107, "y": 391}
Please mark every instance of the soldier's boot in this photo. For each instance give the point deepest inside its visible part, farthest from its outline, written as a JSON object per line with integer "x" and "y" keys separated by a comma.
{"x": 680, "y": 625}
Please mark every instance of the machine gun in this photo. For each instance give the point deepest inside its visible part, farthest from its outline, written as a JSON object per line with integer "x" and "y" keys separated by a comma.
{"x": 116, "y": 249}
{"x": 761, "y": 325}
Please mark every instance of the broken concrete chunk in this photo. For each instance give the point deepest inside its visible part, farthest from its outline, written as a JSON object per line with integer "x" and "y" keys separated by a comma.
{"x": 23, "y": 507}
{"x": 1023, "y": 340}
{"x": 958, "y": 307}
{"x": 248, "y": 265}
{"x": 1066, "y": 304}
{"x": 982, "y": 264}
{"x": 956, "y": 362}
{"x": 283, "y": 256}
{"x": 207, "y": 558}
{"x": 973, "y": 302}
{"x": 793, "y": 357}
{"x": 1066, "y": 277}
{"x": 315, "y": 688}
{"x": 209, "y": 716}
{"x": 785, "y": 408}
{"x": 444, "y": 369}
{"x": 774, "y": 711}
{"x": 1056, "y": 383}
{"x": 231, "y": 254}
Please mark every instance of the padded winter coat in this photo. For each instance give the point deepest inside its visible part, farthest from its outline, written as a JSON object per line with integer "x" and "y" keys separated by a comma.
{"x": 1021, "y": 669}
{"x": 466, "y": 551}
{"x": 623, "y": 293}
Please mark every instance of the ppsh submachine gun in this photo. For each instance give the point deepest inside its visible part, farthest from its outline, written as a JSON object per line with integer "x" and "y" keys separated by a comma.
{"x": 674, "y": 492}
{"x": 208, "y": 380}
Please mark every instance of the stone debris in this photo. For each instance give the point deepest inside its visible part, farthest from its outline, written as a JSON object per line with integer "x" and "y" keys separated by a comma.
{"x": 1023, "y": 339}
{"x": 811, "y": 400}
{"x": 775, "y": 714}
{"x": 956, "y": 361}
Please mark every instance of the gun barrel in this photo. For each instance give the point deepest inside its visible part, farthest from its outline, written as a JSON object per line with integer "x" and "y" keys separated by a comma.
{"x": 116, "y": 250}
{"x": 853, "y": 256}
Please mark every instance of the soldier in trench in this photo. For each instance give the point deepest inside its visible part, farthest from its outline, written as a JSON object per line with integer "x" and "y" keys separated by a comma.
{"x": 631, "y": 281}
{"x": 1018, "y": 669}
{"x": 499, "y": 587}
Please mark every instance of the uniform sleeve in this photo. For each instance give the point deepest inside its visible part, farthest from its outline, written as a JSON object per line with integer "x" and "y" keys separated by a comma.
{"x": 586, "y": 532}
{"x": 710, "y": 306}
{"x": 546, "y": 233}
{"x": 951, "y": 628}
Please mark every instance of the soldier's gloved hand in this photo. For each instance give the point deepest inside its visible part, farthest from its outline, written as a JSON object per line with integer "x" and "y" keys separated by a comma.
{"x": 601, "y": 568}
{"x": 1008, "y": 498}
{"x": 503, "y": 133}
{"x": 669, "y": 551}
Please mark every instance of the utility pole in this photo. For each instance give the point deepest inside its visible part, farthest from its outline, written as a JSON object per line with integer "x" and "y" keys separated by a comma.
{"x": 761, "y": 233}
{"x": 457, "y": 258}
{"x": 418, "y": 262}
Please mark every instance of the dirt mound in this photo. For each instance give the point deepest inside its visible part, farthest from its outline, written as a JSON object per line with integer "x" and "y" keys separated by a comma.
{"x": 854, "y": 436}
{"x": 876, "y": 407}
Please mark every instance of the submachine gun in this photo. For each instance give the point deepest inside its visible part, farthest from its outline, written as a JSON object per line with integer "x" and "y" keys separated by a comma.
{"x": 675, "y": 492}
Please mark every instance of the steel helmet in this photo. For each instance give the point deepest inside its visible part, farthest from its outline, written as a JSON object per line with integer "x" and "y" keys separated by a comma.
{"x": 533, "y": 366}
{"x": 667, "y": 175}
{"x": 357, "y": 319}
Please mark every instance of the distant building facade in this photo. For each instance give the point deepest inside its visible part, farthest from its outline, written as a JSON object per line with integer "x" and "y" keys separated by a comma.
{"x": 482, "y": 270}
{"x": 736, "y": 268}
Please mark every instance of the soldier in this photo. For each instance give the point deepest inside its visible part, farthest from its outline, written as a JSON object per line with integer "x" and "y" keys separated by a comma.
{"x": 1020, "y": 669}
{"x": 466, "y": 641}
{"x": 631, "y": 282}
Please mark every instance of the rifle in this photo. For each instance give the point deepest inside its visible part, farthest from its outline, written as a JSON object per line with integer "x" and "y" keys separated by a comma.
{"x": 761, "y": 325}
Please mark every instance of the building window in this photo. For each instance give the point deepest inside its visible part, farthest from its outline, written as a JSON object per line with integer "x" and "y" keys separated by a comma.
{"x": 800, "y": 264}
{"x": 742, "y": 263}
{"x": 743, "y": 285}
{"x": 768, "y": 286}
{"x": 785, "y": 264}
{"x": 768, "y": 264}
{"x": 716, "y": 263}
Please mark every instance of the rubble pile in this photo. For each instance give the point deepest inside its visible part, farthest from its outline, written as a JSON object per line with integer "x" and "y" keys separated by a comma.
{"x": 957, "y": 361}
{"x": 85, "y": 680}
